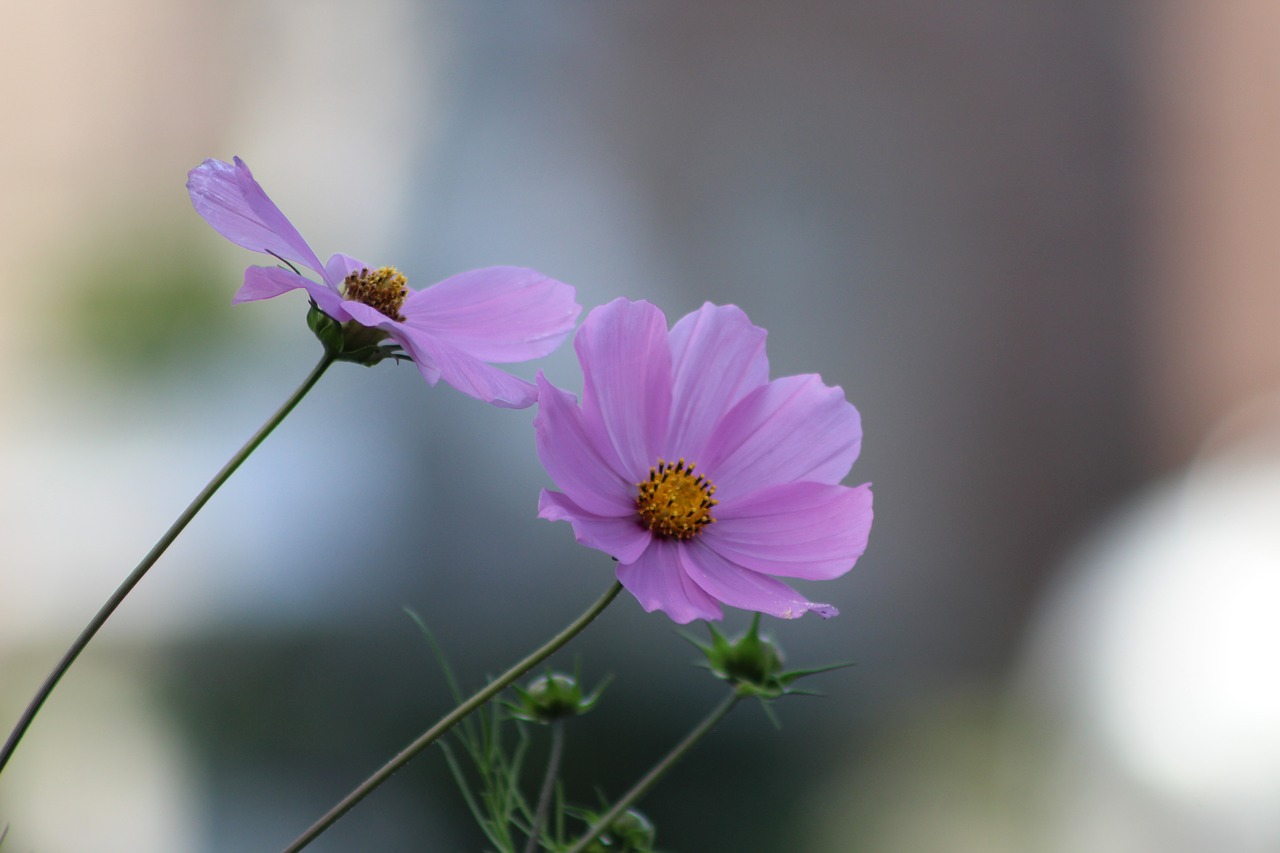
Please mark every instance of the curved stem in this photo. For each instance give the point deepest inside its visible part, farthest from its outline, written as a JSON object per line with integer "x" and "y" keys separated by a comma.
{"x": 451, "y": 719}
{"x": 149, "y": 560}
{"x": 548, "y": 786}
{"x": 639, "y": 789}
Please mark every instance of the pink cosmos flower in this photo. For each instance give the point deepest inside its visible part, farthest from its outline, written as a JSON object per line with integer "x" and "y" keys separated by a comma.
{"x": 701, "y": 477}
{"x": 451, "y": 330}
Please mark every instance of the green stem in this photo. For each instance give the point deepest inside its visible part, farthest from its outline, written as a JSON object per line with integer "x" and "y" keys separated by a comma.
{"x": 548, "y": 786}
{"x": 639, "y": 789}
{"x": 149, "y": 560}
{"x": 453, "y": 718}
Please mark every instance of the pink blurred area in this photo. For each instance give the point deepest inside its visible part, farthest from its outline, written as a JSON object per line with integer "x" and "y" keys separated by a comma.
{"x": 1034, "y": 242}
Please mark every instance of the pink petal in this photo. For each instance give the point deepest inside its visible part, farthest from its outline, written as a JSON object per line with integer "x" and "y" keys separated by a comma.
{"x": 464, "y": 372}
{"x": 584, "y": 465}
{"x": 498, "y": 314}
{"x": 800, "y": 530}
{"x": 742, "y": 588}
{"x": 372, "y": 318}
{"x": 266, "y": 282}
{"x": 428, "y": 368}
{"x": 338, "y": 267}
{"x": 626, "y": 368}
{"x": 658, "y": 583}
{"x": 621, "y": 538}
{"x": 717, "y": 357}
{"x": 366, "y": 315}
{"x": 794, "y": 428}
{"x": 230, "y": 200}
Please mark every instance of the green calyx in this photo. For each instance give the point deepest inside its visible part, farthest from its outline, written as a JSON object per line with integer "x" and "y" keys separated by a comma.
{"x": 351, "y": 341}
{"x": 752, "y": 664}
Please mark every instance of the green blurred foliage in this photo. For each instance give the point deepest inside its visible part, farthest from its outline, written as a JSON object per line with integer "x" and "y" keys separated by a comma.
{"x": 135, "y": 309}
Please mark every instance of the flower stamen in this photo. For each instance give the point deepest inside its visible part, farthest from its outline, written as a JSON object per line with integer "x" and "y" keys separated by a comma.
{"x": 673, "y": 503}
{"x": 383, "y": 289}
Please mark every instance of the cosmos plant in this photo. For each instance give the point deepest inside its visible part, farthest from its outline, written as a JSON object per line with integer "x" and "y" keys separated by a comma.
{"x": 709, "y": 484}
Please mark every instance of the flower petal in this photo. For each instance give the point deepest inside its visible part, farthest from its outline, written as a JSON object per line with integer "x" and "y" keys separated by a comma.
{"x": 338, "y": 267}
{"x": 620, "y": 538}
{"x": 266, "y": 282}
{"x": 658, "y": 583}
{"x": 229, "y": 199}
{"x": 626, "y": 369}
{"x": 497, "y": 314}
{"x": 464, "y": 372}
{"x": 740, "y": 587}
{"x": 800, "y": 530}
{"x": 367, "y": 315}
{"x": 717, "y": 357}
{"x": 583, "y": 464}
{"x": 794, "y": 428}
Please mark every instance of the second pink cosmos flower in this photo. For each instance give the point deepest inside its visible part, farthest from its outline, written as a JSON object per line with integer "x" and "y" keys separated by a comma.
{"x": 454, "y": 330}
{"x": 705, "y": 480}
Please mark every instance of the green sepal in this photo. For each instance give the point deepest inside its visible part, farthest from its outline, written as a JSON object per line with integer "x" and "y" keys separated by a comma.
{"x": 326, "y": 329}
{"x": 371, "y": 355}
{"x": 554, "y": 696}
{"x": 351, "y": 341}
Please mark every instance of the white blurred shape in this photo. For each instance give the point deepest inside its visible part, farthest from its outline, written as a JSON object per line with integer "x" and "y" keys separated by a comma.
{"x": 1153, "y": 672}
{"x": 1187, "y": 645}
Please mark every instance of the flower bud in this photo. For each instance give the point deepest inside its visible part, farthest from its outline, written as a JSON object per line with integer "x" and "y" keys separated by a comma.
{"x": 551, "y": 697}
{"x": 752, "y": 664}
{"x": 632, "y": 832}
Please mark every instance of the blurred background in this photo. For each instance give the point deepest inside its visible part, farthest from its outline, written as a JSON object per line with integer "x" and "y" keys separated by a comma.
{"x": 1035, "y": 242}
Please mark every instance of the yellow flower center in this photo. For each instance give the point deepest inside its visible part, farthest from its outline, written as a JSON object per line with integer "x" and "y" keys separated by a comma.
{"x": 673, "y": 503}
{"x": 383, "y": 289}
